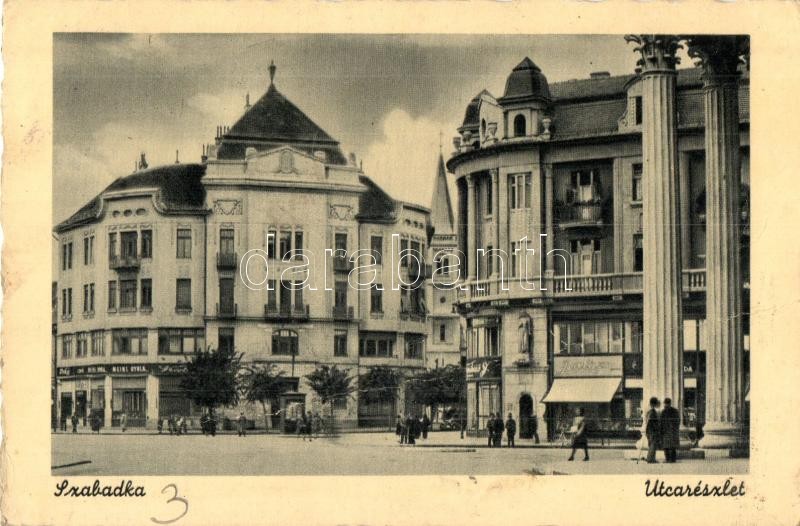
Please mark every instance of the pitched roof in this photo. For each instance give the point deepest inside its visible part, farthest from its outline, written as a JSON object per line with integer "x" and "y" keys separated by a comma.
{"x": 441, "y": 207}
{"x": 178, "y": 189}
{"x": 473, "y": 112}
{"x": 274, "y": 120}
{"x": 375, "y": 204}
{"x": 526, "y": 81}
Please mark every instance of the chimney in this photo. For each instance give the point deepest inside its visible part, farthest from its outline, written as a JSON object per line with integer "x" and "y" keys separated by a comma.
{"x": 142, "y": 162}
{"x": 176, "y": 157}
{"x": 599, "y": 75}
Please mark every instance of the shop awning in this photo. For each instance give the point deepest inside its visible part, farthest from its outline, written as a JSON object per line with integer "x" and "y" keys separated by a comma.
{"x": 597, "y": 390}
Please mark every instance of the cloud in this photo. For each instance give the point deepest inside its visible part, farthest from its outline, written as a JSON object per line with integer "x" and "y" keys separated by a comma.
{"x": 404, "y": 161}
{"x": 220, "y": 108}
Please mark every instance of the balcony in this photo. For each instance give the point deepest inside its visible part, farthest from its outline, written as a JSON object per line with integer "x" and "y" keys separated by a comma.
{"x": 227, "y": 310}
{"x": 417, "y": 272}
{"x": 580, "y": 215}
{"x": 412, "y": 315}
{"x": 128, "y": 262}
{"x": 586, "y": 286}
{"x": 342, "y": 312}
{"x": 227, "y": 260}
{"x": 342, "y": 265}
{"x": 286, "y": 312}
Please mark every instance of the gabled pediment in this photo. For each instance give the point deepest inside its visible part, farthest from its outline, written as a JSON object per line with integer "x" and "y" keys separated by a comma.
{"x": 284, "y": 161}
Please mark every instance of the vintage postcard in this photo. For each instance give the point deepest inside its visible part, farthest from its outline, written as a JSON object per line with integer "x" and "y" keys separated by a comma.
{"x": 333, "y": 264}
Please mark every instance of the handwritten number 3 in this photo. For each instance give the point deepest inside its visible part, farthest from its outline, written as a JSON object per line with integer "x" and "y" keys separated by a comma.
{"x": 175, "y": 497}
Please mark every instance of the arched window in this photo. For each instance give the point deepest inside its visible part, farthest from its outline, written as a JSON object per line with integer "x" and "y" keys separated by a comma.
{"x": 284, "y": 342}
{"x": 519, "y": 126}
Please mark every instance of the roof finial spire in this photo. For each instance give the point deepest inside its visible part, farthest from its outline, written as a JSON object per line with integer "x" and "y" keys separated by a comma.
{"x": 272, "y": 69}
{"x": 440, "y": 141}
{"x": 176, "y": 157}
{"x": 247, "y": 100}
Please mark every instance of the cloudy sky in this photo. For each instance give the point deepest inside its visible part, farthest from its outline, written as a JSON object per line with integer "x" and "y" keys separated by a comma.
{"x": 386, "y": 98}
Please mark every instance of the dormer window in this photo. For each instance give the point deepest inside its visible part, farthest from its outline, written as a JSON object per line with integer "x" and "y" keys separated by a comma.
{"x": 519, "y": 126}
{"x": 584, "y": 187}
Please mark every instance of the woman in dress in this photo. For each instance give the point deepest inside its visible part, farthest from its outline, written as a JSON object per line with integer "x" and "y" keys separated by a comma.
{"x": 579, "y": 439}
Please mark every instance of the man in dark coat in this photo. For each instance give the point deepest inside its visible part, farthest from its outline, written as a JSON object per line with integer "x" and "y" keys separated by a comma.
{"x": 490, "y": 428}
{"x": 652, "y": 430}
{"x": 74, "y": 421}
{"x": 498, "y": 430}
{"x": 411, "y": 430}
{"x": 534, "y": 428}
{"x": 426, "y": 424}
{"x": 511, "y": 429}
{"x": 241, "y": 425}
{"x": 670, "y": 426}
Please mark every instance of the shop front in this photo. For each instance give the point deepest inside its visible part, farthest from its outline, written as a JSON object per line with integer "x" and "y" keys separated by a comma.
{"x": 484, "y": 392}
{"x": 129, "y": 396}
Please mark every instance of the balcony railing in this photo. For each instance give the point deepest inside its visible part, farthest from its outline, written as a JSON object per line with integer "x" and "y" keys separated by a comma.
{"x": 342, "y": 265}
{"x": 131, "y": 262}
{"x": 227, "y": 310}
{"x": 287, "y": 312}
{"x": 412, "y": 314}
{"x": 594, "y": 285}
{"x": 342, "y": 312}
{"x": 227, "y": 260}
{"x": 580, "y": 214}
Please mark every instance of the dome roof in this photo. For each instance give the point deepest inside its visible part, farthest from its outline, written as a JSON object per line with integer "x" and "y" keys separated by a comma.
{"x": 473, "y": 112}
{"x": 526, "y": 82}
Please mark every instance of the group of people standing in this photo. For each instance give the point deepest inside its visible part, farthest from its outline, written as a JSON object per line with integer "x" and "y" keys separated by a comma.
{"x": 309, "y": 426}
{"x": 175, "y": 425}
{"x": 662, "y": 430}
{"x": 411, "y": 428}
{"x": 495, "y": 427}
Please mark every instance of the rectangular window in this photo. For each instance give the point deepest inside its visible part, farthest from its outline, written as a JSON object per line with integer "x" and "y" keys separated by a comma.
{"x": 226, "y": 241}
{"x": 376, "y": 245}
{"x": 272, "y": 237}
{"x": 82, "y": 344}
{"x": 519, "y": 191}
{"x": 180, "y": 341}
{"x": 147, "y": 244}
{"x": 69, "y": 255}
{"x": 489, "y": 198}
{"x": 66, "y": 256}
{"x": 298, "y": 295}
{"x": 272, "y": 293}
{"x": 127, "y": 289}
{"x": 98, "y": 343}
{"x": 513, "y": 267}
{"x": 512, "y": 192}
{"x": 86, "y": 299}
{"x": 226, "y": 339}
{"x": 638, "y": 110}
{"x": 637, "y": 182}
{"x": 284, "y": 244}
{"x": 112, "y": 245}
{"x": 66, "y": 346}
{"x": 340, "y": 343}
{"x": 88, "y": 250}
{"x": 375, "y": 299}
{"x": 284, "y": 342}
{"x": 67, "y": 302}
{"x": 442, "y": 332}
{"x": 286, "y": 296}
{"x": 147, "y": 294}
{"x": 489, "y": 261}
{"x": 376, "y": 345}
{"x": 183, "y": 294}
{"x": 226, "y": 304}
{"x": 184, "y": 243}
{"x": 298, "y": 244}
{"x": 340, "y": 295}
{"x": 112, "y": 295}
{"x": 128, "y": 244}
{"x": 414, "y": 346}
{"x": 129, "y": 341}
{"x": 528, "y": 190}
{"x": 91, "y": 297}
{"x": 638, "y": 253}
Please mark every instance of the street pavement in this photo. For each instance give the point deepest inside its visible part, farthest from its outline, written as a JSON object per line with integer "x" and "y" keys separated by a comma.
{"x": 444, "y": 453}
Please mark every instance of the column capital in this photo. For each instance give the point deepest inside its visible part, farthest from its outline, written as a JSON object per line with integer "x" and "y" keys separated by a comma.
{"x": 719, "y": 56}
{"x": 470, "y": 180}
{"x": 494, "y": 172}
{"x": 658, "y": 52}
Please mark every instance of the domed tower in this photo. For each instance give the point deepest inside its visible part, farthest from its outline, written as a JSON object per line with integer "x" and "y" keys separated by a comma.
{"x": 526, "y": 101}
{"x": 480, "y": 122}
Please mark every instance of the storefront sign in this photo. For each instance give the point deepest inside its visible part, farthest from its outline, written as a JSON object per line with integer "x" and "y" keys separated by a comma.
{"x": 130, "y": 368}
{"x": 588, "y": 366}
{"x": 486, "y": 368}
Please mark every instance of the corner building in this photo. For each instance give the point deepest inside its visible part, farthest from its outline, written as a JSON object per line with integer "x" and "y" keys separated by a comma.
{"x": 151, "y": 271}
{"x": 559, "y": 168}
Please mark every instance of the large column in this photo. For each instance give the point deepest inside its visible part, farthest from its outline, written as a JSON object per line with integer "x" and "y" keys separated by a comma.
{"x": 719, "y": 57}
{"x": 471, "y": 226}
{"x": 548, "y": 219}
{"x": 663, "y": 325}
{"x": 108, "y": 392}
{"x": 496, "y": 216}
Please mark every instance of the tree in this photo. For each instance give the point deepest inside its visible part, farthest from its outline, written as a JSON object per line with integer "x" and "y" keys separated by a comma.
{"x": 379, "y": 384}
{"x": 211, "y": 378}
{"x": 442, "y": 386}
{"x": 263, "y": 384}
{"x": 330, "y": 383}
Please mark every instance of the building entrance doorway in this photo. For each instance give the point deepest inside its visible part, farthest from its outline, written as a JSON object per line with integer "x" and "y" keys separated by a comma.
{"x": 525, "y": 416}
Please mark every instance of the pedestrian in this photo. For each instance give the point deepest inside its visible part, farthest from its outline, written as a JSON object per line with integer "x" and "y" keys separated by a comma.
{"x": 398, "y": 428}
{"x": 95, "y": 419}
{"x": 74, "y": 421}
{"x": 490, "y": 428}
{"x": 499, "y": 427}
{"x": 172, "y": 427}
{"x": 182, "y": 424}
{"x": 535, "y": 428}
{"x": 511, "y": 429}
{"x": 426, "y": 424}
{"x": 160, "y": 425}
{"x": 179, "y": 425}
{"x": 316, "y": 424}
{"x": 403, "y": 430}
{"x": 463, "y": 420}
{"x": 579, "y": 439}
{"x": 411, "y": 430}
{"x": 123, "y": 421}
{"x": 309, "y": 426}
{"x": 670, "y": 426}
{"x": 652, "y": 430}
{"x": 241, "y": 424}
{"x": 300, "y": 428}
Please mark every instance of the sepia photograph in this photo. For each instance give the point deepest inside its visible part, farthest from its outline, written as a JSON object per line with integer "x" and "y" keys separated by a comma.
{"x": 400, "y": 254}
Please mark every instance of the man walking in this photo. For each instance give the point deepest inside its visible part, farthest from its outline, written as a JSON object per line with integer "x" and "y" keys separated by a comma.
{"x": 241, "y": 424}
{"x": 670, "y": 426}
{"x": 652, "y": 430}
{"x": 511, "y": 429}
